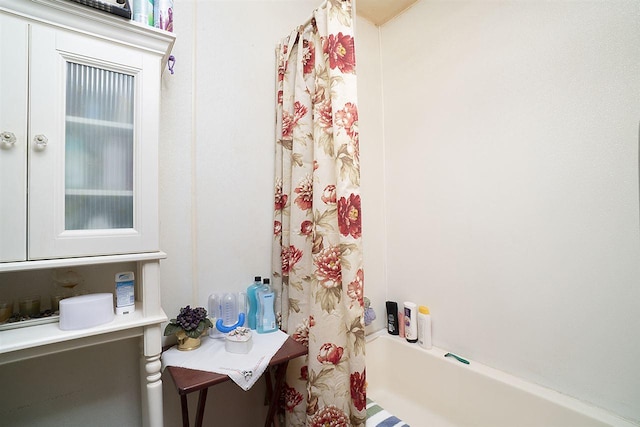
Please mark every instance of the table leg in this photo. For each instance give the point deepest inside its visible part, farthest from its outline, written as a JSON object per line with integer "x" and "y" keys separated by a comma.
{"x": 281, "y": 370}
{"x": 185, "y": 410}
{"x": 202, "y": 399}
{"x": 267, "y": 396}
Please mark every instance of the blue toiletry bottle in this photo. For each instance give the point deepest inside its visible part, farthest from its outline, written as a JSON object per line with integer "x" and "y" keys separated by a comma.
{"x": 266, "y": 314}
{"x": 252, "y": 296}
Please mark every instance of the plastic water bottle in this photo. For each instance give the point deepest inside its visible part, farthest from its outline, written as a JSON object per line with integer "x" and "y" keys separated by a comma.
{"x": 252, "y": 296}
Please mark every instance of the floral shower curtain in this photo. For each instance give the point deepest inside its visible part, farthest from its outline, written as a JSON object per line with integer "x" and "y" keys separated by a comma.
{"x": 317, "y": 254}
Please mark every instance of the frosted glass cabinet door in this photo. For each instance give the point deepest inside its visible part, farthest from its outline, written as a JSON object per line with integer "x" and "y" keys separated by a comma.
{"x": 13, "y": 134}
{"x": 90, "y": 159}
{"x": 98, "y": 148}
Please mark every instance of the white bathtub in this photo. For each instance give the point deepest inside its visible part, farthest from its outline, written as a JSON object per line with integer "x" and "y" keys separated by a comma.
{"x": 425, "y": 389}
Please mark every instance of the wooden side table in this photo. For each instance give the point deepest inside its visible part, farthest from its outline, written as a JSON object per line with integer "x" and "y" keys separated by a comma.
{"x": 190, "y": 380}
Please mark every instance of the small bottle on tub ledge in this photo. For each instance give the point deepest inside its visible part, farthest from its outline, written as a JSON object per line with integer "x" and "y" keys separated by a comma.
{"x": 392, "y": 318}
{"x": 424, "y": 327}
{"x": 410, "y": 322}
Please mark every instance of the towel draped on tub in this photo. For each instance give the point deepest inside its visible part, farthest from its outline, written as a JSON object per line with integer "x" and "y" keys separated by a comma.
{"x": 379, "y": 417}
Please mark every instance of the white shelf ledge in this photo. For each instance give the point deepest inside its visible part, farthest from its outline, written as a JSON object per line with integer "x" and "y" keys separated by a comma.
{"x": 71, "y": 262}
{"x": 34, "y": 341}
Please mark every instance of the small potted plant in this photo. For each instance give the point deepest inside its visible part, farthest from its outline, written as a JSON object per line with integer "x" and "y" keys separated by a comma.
{"x": 188, "y": 327}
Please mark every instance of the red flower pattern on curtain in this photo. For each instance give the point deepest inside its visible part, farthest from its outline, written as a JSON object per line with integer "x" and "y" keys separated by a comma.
{"x": 341, "y": 52}
{"x": 349, "y": 216}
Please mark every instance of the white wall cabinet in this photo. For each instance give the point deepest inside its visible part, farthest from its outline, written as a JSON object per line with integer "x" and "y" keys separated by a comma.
{"x": 13, "y": 128}
{"x": 86, "y": 150}
{"x": 79, "y": 119}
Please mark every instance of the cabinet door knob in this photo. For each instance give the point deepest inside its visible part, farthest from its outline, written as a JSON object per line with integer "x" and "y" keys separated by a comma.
{"x": 41, "y": 142}
{"x": 8, "y": 139}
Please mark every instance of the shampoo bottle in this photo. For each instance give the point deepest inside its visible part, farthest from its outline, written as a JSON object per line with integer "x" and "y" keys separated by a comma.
{"x": 424, "y": 327}
{"x": 410, "y": 322}
{"x": 266, "y": 321}
{"x": 252, "y": 297}
{"x": 392, "y": 318}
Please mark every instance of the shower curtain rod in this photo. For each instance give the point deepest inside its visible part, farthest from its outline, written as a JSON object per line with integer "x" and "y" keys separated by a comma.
{"x": 323, "y": 4}
{"x": 307, "y": 22}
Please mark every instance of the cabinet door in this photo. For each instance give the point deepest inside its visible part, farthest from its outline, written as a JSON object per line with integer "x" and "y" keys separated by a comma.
{"x": 13, "y": 134}
{"x": 93, "y": 146}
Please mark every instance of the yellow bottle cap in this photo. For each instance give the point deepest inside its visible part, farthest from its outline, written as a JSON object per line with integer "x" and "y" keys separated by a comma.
{"x": 423, "y": 309}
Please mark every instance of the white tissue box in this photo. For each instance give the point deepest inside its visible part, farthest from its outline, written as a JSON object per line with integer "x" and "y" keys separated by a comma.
{"x": 238, "y": 341}
{"x": 86, "y": 311}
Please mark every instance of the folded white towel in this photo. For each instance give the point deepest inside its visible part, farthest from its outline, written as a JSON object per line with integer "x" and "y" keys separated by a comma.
{"x": 243, "y": 369}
